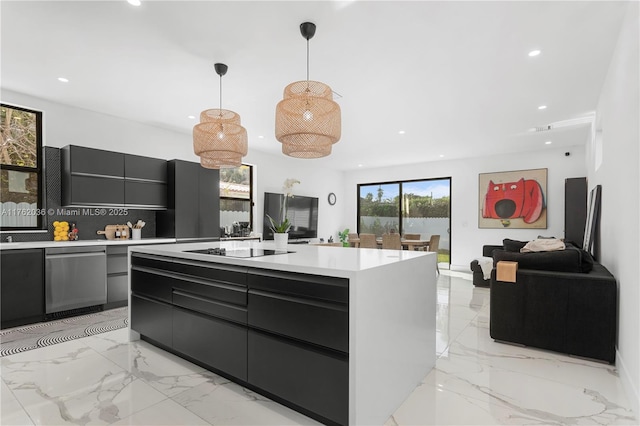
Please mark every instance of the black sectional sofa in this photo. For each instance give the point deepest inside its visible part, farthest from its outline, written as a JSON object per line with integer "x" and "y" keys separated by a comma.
{"x": 561, "y": 301}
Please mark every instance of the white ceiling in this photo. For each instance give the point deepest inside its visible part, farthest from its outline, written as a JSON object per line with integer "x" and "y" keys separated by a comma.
{"x": 455, "y": 76}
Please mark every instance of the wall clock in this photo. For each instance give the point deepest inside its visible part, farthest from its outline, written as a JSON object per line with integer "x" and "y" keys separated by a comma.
{"x": 332, "y": 198}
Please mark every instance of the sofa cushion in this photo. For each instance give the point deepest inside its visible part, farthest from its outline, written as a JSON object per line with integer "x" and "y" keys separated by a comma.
{"x": 513, "y": 245}
{"x": 559, "y": 261}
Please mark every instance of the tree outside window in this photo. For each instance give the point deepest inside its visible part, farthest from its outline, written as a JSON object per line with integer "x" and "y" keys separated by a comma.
{"x": 20, "y": 168}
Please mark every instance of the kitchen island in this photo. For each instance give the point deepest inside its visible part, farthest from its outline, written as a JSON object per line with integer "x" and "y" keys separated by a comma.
{"x": 342, "y": 335}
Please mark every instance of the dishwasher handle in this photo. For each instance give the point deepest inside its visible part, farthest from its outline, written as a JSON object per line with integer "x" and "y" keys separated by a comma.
{"x": 65, "y": 255}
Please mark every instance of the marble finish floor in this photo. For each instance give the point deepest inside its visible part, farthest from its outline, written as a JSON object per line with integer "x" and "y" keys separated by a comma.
{"x": 104, "y": 379}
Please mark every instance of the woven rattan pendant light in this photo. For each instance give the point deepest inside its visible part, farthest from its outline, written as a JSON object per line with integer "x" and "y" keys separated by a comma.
{"x": 219, "y": 140}
{"x": 307, "y": 119}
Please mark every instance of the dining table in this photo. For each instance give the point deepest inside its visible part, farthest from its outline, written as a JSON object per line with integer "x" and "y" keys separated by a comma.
{"x": 406, "y": 244}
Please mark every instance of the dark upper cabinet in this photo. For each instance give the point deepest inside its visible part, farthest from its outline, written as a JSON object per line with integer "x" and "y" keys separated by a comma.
{"x": 137, "y": 167}
{"x": 193, "y": 202}
{"x": 93, "y": 177}
{"x": 92, "y": 161}
{"x": 22, "y": 294}
{"x": 145, "y": 194}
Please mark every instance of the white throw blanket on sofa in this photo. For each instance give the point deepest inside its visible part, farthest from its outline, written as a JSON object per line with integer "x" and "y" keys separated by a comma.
{"x": 546, "y": 244}
{"x": 486, "y": 263}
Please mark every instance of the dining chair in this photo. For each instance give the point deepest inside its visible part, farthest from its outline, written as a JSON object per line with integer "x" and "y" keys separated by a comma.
{"x": 434, "y": 241}
{"x": 352, "y": 239}
{"x": 368, "y": 241}
{"x": 391, "y": 242}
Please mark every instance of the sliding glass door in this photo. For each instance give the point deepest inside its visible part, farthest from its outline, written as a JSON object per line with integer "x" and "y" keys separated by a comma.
{"x": 408, "y": 207}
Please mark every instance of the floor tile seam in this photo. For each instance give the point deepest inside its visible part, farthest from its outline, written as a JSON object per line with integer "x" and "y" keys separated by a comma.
{"x": 480, "y": 399}
{"x": 16, "y": 399}
{"x": 187, "y": 408}
{"x": 491, "y": 363}
{"x": 501, "y": 402}
{"x": 133, "y": 412}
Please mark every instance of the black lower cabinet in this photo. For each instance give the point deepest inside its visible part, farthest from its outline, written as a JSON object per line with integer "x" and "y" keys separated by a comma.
{"x": 283, "y": 334}
{"x": 216, "y": 343}
{"x": 311, "y": 378}
{"x": 152, "y": 319}
{"x": 22, "y": 295}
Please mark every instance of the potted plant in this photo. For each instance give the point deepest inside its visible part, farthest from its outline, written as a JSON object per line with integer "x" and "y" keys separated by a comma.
{"x": 281, "y": 226}
{"x": 344, "y": 235}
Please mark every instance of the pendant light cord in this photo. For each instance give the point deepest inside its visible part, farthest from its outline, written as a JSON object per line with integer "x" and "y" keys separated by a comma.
{"x": 307, "y": 62}
{"x": 220, "y": 109}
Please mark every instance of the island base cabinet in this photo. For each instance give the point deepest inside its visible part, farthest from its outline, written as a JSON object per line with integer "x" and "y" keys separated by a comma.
{"x": 311, "y": 378}
{"x": 152, "y": 319}
{"x": 216, "y": 343}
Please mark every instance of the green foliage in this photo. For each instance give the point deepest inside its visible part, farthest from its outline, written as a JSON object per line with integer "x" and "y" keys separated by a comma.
{"x": 413, "y": 206}
{"x": 279, "y": 228}
{"x": 343, "y": 237}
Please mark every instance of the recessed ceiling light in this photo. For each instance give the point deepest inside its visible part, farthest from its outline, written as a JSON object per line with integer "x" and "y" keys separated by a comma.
{"x": 134, "y": 2}
{"x": 62, "y": 79}
{"x": 441, "y": 155}
{"x": 260, "y": 137}
{"x": 547, "y": 143}
{"x": 534, "y": 53}
{"x": 542, "y": 107}
{"x": 401, "y": 132}
{"x": 359, "y": 165}
{"x": 192, "y": 117}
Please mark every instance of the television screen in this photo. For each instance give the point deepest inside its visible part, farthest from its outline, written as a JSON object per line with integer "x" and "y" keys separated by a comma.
{"x": 302, "y": 213}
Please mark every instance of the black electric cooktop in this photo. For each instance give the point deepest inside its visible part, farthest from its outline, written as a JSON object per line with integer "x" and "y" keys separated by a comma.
{"x": 248, "y": 252}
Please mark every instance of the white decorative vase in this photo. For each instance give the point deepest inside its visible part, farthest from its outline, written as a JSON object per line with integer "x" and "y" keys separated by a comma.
{"x": 281, "y": 239}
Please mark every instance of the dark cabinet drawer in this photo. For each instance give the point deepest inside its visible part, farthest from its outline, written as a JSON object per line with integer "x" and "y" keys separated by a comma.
{"x": 145, "y": 194}
{"x": 145, "y": 168}
{"x": 150, "y": 261}
{"x": 209, "y": 306}
{"x": 231, "y": 275}
{"x": 90, "y": 190}
{"x": 310, "y": 320}
{"x": 234, "y": 275}
{"x": 218, "y": 344}
{"x": 313, "y": 286}
{"x": 150, "y": 284}
{"x": 314, "y": 380}
{"x": 152, "y": 319}
{"x": 212, "y": 290}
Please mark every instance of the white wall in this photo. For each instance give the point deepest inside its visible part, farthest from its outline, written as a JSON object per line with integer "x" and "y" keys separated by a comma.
{"x": 617, "y": 117}
{"x": 66, "y": 125}
{"x": 466, "y": 238}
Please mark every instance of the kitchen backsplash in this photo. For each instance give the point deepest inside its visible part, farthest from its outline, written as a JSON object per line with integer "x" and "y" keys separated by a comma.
{"x": 87, "y": 220}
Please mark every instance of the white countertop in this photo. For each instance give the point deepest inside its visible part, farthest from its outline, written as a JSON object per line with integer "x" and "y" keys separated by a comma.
{"x": 332, "y": 261}
{"x": 96, "y": 242}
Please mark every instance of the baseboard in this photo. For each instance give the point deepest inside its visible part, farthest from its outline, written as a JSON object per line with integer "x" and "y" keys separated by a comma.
{"x": 460, "y": 268}
{"x": 630, "y": 388}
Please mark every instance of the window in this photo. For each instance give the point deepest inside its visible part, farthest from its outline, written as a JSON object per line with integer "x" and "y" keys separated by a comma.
{"x": 20, "y": 168}
{"x": 236, "y": 201}
{"x": 407, "y": 207}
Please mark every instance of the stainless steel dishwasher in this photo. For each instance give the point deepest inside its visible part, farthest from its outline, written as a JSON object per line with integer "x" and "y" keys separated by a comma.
{"x": 75, "y": 277}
